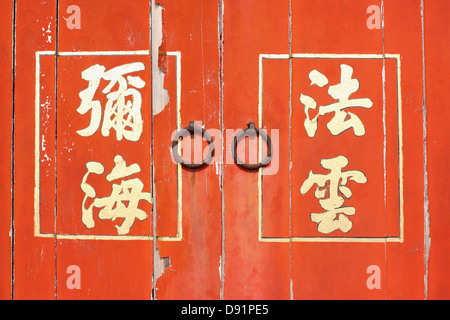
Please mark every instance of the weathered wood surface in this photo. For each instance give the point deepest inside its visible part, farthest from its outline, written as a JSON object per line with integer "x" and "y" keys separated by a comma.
{"x": 223, "y": 231}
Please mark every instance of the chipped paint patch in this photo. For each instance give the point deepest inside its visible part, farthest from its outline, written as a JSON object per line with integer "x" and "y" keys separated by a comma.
{"x": 161, "y": 96}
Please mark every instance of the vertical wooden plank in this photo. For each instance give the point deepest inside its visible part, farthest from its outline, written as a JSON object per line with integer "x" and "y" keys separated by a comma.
{"x": 405, "y": 261}
{"x": 34, "y": 255}
{"x": 114, "y": 261}
{"x": 436, "y": 44}
{"x": 328, "y": 36}
{"x": 254, "y": 268}
{"x": 188, "y": 201}
{"x": 6, "y": 81}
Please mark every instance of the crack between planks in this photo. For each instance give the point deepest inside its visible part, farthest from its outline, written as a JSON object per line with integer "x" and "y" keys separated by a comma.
{"x": 291, "y": 284}
{"x": 13, "y": 122}
{"x": 152, "y": 36}
{"x": 159, "y": 100}
{"x": 220, "y": 31}
{"x": 426, "y": 213}
{"x": 56, "y": 148}
{"x": 383, "y": 76}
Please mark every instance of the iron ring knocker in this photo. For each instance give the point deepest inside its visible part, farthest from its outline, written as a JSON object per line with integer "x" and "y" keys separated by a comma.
{"x": 192, "y": 129}
{"x": 252, "y": 131}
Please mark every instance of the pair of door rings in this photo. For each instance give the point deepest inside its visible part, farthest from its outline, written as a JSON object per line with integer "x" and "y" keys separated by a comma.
{"x": 251, "y": 131}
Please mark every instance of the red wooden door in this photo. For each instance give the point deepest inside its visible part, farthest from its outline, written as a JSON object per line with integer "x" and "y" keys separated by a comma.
{"x": 105, "y": 106}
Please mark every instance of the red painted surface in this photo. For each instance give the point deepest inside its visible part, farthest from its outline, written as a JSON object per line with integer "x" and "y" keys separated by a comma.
{"x": 253, "y": 270}
{"x": 323, "y": 275}
{"x": 195, "y": 260}
{"x": 224, "y": 232}
{"x": 34, "y": 257}
{"x": 436, "y": 44}
{"x": 338, "y": 270}
{"x": 405, "y": 261}
{"x": 110, "y": 269}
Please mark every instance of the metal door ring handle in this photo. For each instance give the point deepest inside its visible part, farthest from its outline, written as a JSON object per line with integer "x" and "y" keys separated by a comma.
{"x": 252, "y": 131}
{"x": 192, "y": 129}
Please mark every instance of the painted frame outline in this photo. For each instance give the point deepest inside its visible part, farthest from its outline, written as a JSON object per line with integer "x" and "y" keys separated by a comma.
{"x": 37, "y": 226}
{"x": 400, "y": 238}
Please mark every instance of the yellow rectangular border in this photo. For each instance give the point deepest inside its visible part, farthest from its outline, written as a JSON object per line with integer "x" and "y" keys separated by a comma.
{"x": 37, "y": 225}
{"x": 400, "y": 238}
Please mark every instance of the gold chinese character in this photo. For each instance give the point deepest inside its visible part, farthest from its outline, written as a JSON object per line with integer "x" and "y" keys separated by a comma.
{"x": 335, "y": 183}
{"x": 123, "y": 108}
{"x": 341, "y": 92}
{"x": 129, "y": 191}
